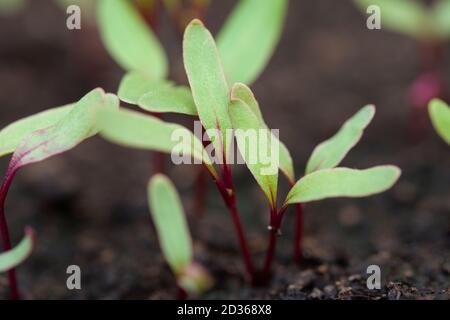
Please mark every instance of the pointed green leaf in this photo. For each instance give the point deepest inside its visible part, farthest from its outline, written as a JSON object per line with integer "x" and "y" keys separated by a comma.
{"x": 403, "y": 16}
{"x": 78, "y": 125}
{"x": 440, "y": 116}
{"x": 331, "y": 152}
{"x": 249, "y": 37}
{"x": 134, "y": 85}
{"x": 136, "y": 130}
{"x": 11, "y": 135}
{"x": 207, "y": 81}
{"x": 343, "y": 182}
{"x": 16, "y": 256}
{"x": 170, "y": 222}
{"x": 129, "y": 40}
{"x": 257, "y": 147}
{"x": 169, "y": 99}
{"x": 241, "y": 92}
{"x": 440, "y": 14}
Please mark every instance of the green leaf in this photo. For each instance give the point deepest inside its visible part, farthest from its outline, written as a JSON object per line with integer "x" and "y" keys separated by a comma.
{"x": 169, "y": 99}
{"x": 343, "y": 182}
{"x": 78, "y": 125}
{"x": 249, "y": 37}
{"x": 169, "y": 218}
{"x": 257, "y": 147}
{"x": 134, "y": 85}
{"x": 404, "y": 16}
{"x": 207, "y": 81}
{"x": 16, "y": 256}
{"x": 331, "y": 152}
{"x": 440, "y": 116}
{"x": 240, "y": 91}
{"x": 129, "y": 40}
{"x": 11, "y": 135}
{"x": 9, "y": 7}
{"x": 174, "y": 237}
{"x": 136, "y": 130}
{"x": 439, "y": 16}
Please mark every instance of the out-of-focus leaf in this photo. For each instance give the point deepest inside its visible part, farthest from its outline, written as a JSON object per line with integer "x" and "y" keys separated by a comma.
{"x": 16, "y": 256}
{"x": 8, "y": 7}
{"x": 257, "y": 148}
{"x": 331, "y": 152}
{"x": 169, "y": 99}
{"x": 129, "y": 40}
{"x": 439, "y": 16}
{"x": 249, "y": 37}
{"x": 343, "y": 182}
{"x": 440, "y": 116}
{"x": 207, "y": 81}
{"x": 78, "y": 125}
{"x": 409, "y": 17}
{"x": 169, "y": 218}
{"x": 11, "y": 135}
{"x": 134, "y": 85}
{"x": 241, "y": 92}
{"x": 136, "y": 130}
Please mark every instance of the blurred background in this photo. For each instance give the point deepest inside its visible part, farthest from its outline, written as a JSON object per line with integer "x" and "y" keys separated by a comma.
{"x": 89, "y": 205}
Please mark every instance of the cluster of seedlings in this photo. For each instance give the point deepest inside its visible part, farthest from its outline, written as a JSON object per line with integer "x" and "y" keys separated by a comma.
{"x": 218, "y": 95}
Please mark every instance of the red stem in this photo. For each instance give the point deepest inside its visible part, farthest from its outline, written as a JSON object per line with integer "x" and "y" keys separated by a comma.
{"x": 4, "y": 230}
{"x": 275, "y": 223}
{"x": 298, "y": 252}
{"x": 229, "y": 197}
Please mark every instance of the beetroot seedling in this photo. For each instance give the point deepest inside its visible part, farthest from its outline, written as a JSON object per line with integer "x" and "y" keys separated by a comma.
{"x": 220, "y": 109}
{"x": 174, "y": 237}
{"x": 244, "y": 49}
{"x": 42, "y": 136}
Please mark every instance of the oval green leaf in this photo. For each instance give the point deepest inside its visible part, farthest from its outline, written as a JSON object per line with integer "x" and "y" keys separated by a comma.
{"x": 169, "y": 99}
{"x": 440, "y": 117}
{"x": 343, "y": 182}
{"x": 440, "y": 14}
{"x": 134, "y": 85}
{"x": 78, "y": 125}
{"x": 11, "y": 135}
{"x": 240, "y": 91}
{"x": 170, "y": 222}
{"x": 129, "y": 40}
{"x": 16, "y": 256}
{"x": 249, "y": 37}
{"x": 207, "y": 81}
{"x": 136, "y": 130}
{"x": 331, "y": 152}
{"x": 258, "y": 147}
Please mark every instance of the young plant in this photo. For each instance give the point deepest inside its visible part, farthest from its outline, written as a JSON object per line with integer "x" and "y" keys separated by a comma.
{"x": 175, "y": 240}
{"x": 244, "y": 49}
{"x": 221, "y": 108}
{"x": 440, "y": 117}
{"x": 42, "y": 136}
{"x": 427, "y": 22}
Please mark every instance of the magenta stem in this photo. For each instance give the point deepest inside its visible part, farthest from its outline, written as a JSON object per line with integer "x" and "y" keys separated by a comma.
{"x": 4, "y": 230}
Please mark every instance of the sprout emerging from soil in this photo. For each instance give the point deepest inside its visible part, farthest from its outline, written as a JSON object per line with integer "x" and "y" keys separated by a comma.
{"x": 173, "y": 232}
{"x": 42, "y": 136}
{"x": 221, "y": 107}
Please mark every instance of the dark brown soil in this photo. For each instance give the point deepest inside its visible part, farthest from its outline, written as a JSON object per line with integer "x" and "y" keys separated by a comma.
{"x": 88, "y": 206}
